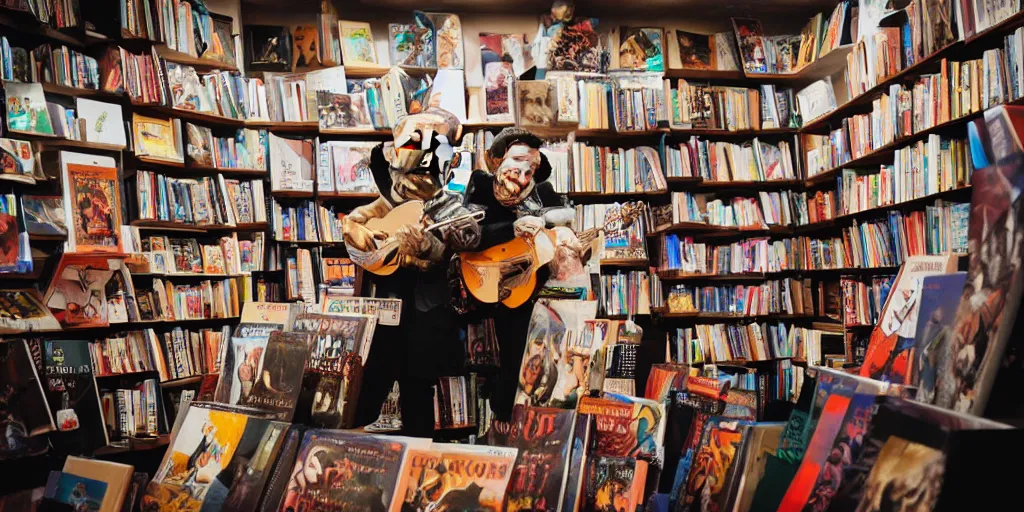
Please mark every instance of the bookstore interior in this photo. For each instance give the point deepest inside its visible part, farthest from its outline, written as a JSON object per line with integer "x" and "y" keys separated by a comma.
{"x": 498, "y": 255}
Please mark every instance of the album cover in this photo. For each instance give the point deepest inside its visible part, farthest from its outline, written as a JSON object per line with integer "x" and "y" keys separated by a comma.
{"x": 268, "y": 48}
{"x": 374, "y": 465}
{"x": 544, "y": 438}
{"x": 535, "y": 103}
{"x": 111, "y": 72}
{"x": 280, "y": 374}
{"x": 103, "y": 121}
{"x": 218, "y": 460}
{"x": 614, "y": 483}
{"x": 642, "y": 49}
{"x": 448, "y": 40}
{"x": 26, "y": 108}
{"x": 357, "y": 48}
{"x": 750, "y": 39}
{"x": 696, "y": 51}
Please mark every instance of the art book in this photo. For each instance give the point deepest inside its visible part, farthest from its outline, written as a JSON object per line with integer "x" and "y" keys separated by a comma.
{"x": 77, "y": 292}
{"x": 372, "y": 464}
{"x": 891, "y": 346}
{"x": 340, "y": 111}
{"x": 696, "y": 51}
{"x": 103, "y": 121}
{"x": 17, "y": 161}
{"x": 92, "y": 206}
{"x": 26, "y": 108}
{"x": 71, "y": 394}
{"x": 459, "y": 477}
{"x": 22, "y": 402}
{"x": 218, "y": 460}
{"x": 357, "y": 46}
{"x": 280, "y": 374}
{"x": 450, "y": 53}
{"x": 544, "y": 438}
{"x": 412, "y": 44}
{"x": 575, "y": 47}
{"x": 536, "y": 103}
{"x": 241, "y": 366}
{"x": 614, "y": 483}
{"x": 156, "y": 138}
{"x": 291, "y": 164}
{"x": 44, "y": 215}
{"x": 77, "y": 491}
{"x": 750, "y": 39}
{"x": 559, "y": 349}
{"x": 934, "y": 365}
{"x": 351, "y": 163}
{"x": 642, "y": 49}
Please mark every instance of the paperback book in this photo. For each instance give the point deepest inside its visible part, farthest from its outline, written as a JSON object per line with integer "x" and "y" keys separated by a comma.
{"x": 26, "y": 108}
{"x": 92, "y": 205}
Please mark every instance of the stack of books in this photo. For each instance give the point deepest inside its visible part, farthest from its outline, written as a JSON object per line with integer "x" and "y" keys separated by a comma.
{"x": 188, "y": 353}
{"x": 626, "y": 293}
{"x": 205, "y": 201}
{"x": 455, "y": 402}
{"x": 728, "y": 162}
{"x": 246, "y": 149}
{"x": 62, "y": 66}
{"x": 863, "y": 299}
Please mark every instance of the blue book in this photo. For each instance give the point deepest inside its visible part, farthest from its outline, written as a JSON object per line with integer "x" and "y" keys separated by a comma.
{"x": 79, "y": 492}
{"x": 934, "y": 348}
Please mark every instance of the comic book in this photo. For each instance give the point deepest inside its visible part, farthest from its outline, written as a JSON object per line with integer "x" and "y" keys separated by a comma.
{"x": 544, "y": 438}
{"x": 454, "y": 477}
{"x": 891, "y": 346}
{"x": 614, "y": 483}
{"x": 372, "y": 466}
{"x": 217, "y": 460}
{"x": 934, "y": 362}
{"x": 559, "y": 348}
{"x": 623, "y": 429}
{"x": 280, "y": 374}
{"x": 714, "y": 477}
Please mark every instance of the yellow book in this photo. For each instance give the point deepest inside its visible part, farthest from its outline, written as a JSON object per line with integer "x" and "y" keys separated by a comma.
{"x": 156, "y": 137}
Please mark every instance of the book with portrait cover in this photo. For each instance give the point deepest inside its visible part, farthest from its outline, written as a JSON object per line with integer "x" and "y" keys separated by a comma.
{"x": 219, "y": 459}
{"x": 280, "y": 375}
{"x": 374, "y": 465}
{"x": 241, "y": 368}
{"x": 556, "y": 360}
{"x": 454, "y": 477}
{"x": 92, "y": 206}
{"x": 544, "y": 438}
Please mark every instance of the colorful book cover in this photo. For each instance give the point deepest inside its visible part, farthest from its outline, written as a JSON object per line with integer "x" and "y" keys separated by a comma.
{"x": 544, "y": 439}
{"x": 76, "y": 295}
{"x": 750, "y": 39}
{"x": 412, "y": 44}
{"x": 614, "y": 483}
{"x": 280, "y": 374}
{"x": 92, "y": 203}
{"x": 891, "y": 347}
{"x": 218, "y": 460}
{"x": 80, "y": 492}
{"x": 559, "y": 349}
{"x": 848, "y": 443}
{"x": 448, "y": 38}
{"x": 642, "y": 49}
{"x": 934, "y": 363}
{"x": 17, "y": 161}
{"x": 241, "y": 366}
{"x": 536, "y": 103}
{"x": 44, "y": 215}
{"x": 351, "y": 164}
{"x": 291, "y": 164}
{"x": 155, "y": 137}
{"x": 575, "y": 47}
{"x": 26, "y": 108}
{"x": 625, "y": 429}
{"x": 338, "y": 471}
{"x": 696, "y": 51}
{"x": 357, "y": 46}
{"x": 21, "y": 398}
{"x": 454, "y": 477}
{"x": 717, "y": 465}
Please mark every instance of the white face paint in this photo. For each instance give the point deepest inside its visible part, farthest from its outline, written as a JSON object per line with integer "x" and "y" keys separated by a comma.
{"x": 514, "y": 177}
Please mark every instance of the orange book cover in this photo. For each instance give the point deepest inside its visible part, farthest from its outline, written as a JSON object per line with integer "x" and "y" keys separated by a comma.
{"x": 92, "y": 198}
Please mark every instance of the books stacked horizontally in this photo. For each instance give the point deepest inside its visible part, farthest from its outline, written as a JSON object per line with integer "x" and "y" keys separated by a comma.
{"x": 726, "y": 162}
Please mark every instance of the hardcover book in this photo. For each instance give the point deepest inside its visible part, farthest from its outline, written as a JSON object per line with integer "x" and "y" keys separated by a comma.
{"x": 341, "y": 111}
{"x": 357, "y": 48}
{"x": 373, "y": 463}
{"x": 218, "y": 460}
{"x": 626, "y": 426}
{"x": 26, "y": 108}
{"x": 114, "y": 476}
{"x": 576, "y": 47}
{"x": 280, "y": 374}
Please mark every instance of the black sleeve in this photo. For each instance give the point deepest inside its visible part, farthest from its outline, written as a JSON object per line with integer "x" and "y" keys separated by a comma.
{"x": 548, "y": 197}
{"x": 497, "y": 226}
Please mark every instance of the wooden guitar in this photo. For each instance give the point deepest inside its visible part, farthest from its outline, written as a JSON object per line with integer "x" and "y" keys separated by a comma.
{"x": 373, "y": 245}
{"x": 508, "y": 272}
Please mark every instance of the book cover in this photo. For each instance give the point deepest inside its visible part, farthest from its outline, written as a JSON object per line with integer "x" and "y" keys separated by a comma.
{"x": 17, "y": 161}
{"x": 78, "y": 491}
{"x": 934, "y": 362}
{"x": 26, "y": 108}
{"x": 696, "y": 51}
{"x": 624, "y": 429}
{"x": 351, "y": 163}
{"x": 267, "y": 48}
{"x": 535, "y": 103}
{"x": 198, "y": 145}
{"x": 217, "y": 460}
{"x": 575, "y": 47}
{"x": 241, "y": 366}
{"x": 76, "y": 295}
{"x": 847, "y": 446}
{"x": 103, "y": 121}
{"x": 454, "y": 477}
{"x": 891, "y": 347}
{"x": 305, "y": 46}
{"x": 559, "y": 349}
{"x": 22, "y": 402}
{"x": 448, "y": 39}
{"x": 156, "y": 138}
{"x": 614, "y": 483}
{"x": 72, "y": 395}
{"x": 642, "y": 49}
{"x": 92, "y": 205}
{"x": 116, "y": 476}
{"x": 372, "y": 465}
{"x": 717, "y": 465}
{"x": 280, "y": 374}
{"x": 340, "y": 111}
{"x": 44, "y": 215}
{"x": 291, "y": 164}
{"x": 357, "y": 46}
{"x": 750, "y": 39}
{"x": 726, "y": 52}
{"x": 544, "y": 439}
{"x": 508, "y": 48}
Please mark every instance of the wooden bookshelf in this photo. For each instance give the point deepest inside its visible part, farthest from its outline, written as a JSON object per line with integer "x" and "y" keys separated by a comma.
{"x": 823, "y": 67}
{"x": 298, "y": 242}
{"x": 168, "y": 226}
{"x": 615, "y": 196}
{"x": 915, "y": 203}
{"x": 715, "y": 132}
{"x": 285, "y": 126}
{"x": 47, "y": 238}
{"x": 752, "y": 185}
{"x": 80, "y": 144}
{"x": 33, "y": 135}
{"x": 160, "y": 161}
{"x": 379, "y": 70}
{"x": 477, "y": 124}
{"x": 347, "y": 195}
{"x": 705, "y": 74}
{"x": 354, "y": 131}
{"x": 626, "y": 262}
{"x": 677, "y": 275}
{"x": 186, "y": 381}
{"x": 26, "y": 23}
{"x": 293, "y": 194}
{"x": 98, "y": 94}
{"x": 135, "y": 444}
{"x": 225, "y": 170}
{"x": 199, "y": 63}
{"x": 196, "y": 116}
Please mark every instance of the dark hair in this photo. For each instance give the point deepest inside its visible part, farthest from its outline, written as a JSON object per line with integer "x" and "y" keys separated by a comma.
{"x": 515, "y": 135}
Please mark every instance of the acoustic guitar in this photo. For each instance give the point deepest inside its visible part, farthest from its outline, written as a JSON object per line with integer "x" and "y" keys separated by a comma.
{"x": 508, "y": 272}
{"x": 373, "y": 245}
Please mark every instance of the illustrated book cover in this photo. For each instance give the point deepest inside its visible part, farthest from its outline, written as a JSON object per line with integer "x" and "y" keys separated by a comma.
{"x": 559, "y": 348}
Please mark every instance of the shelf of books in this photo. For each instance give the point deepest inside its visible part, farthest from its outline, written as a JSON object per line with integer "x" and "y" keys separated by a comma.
{"x": 765, "y": 228}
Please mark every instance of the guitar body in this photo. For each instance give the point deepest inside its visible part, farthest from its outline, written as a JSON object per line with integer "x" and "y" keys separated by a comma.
{"x": 506, "y": 272}
{"x": 381, "y": 256}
